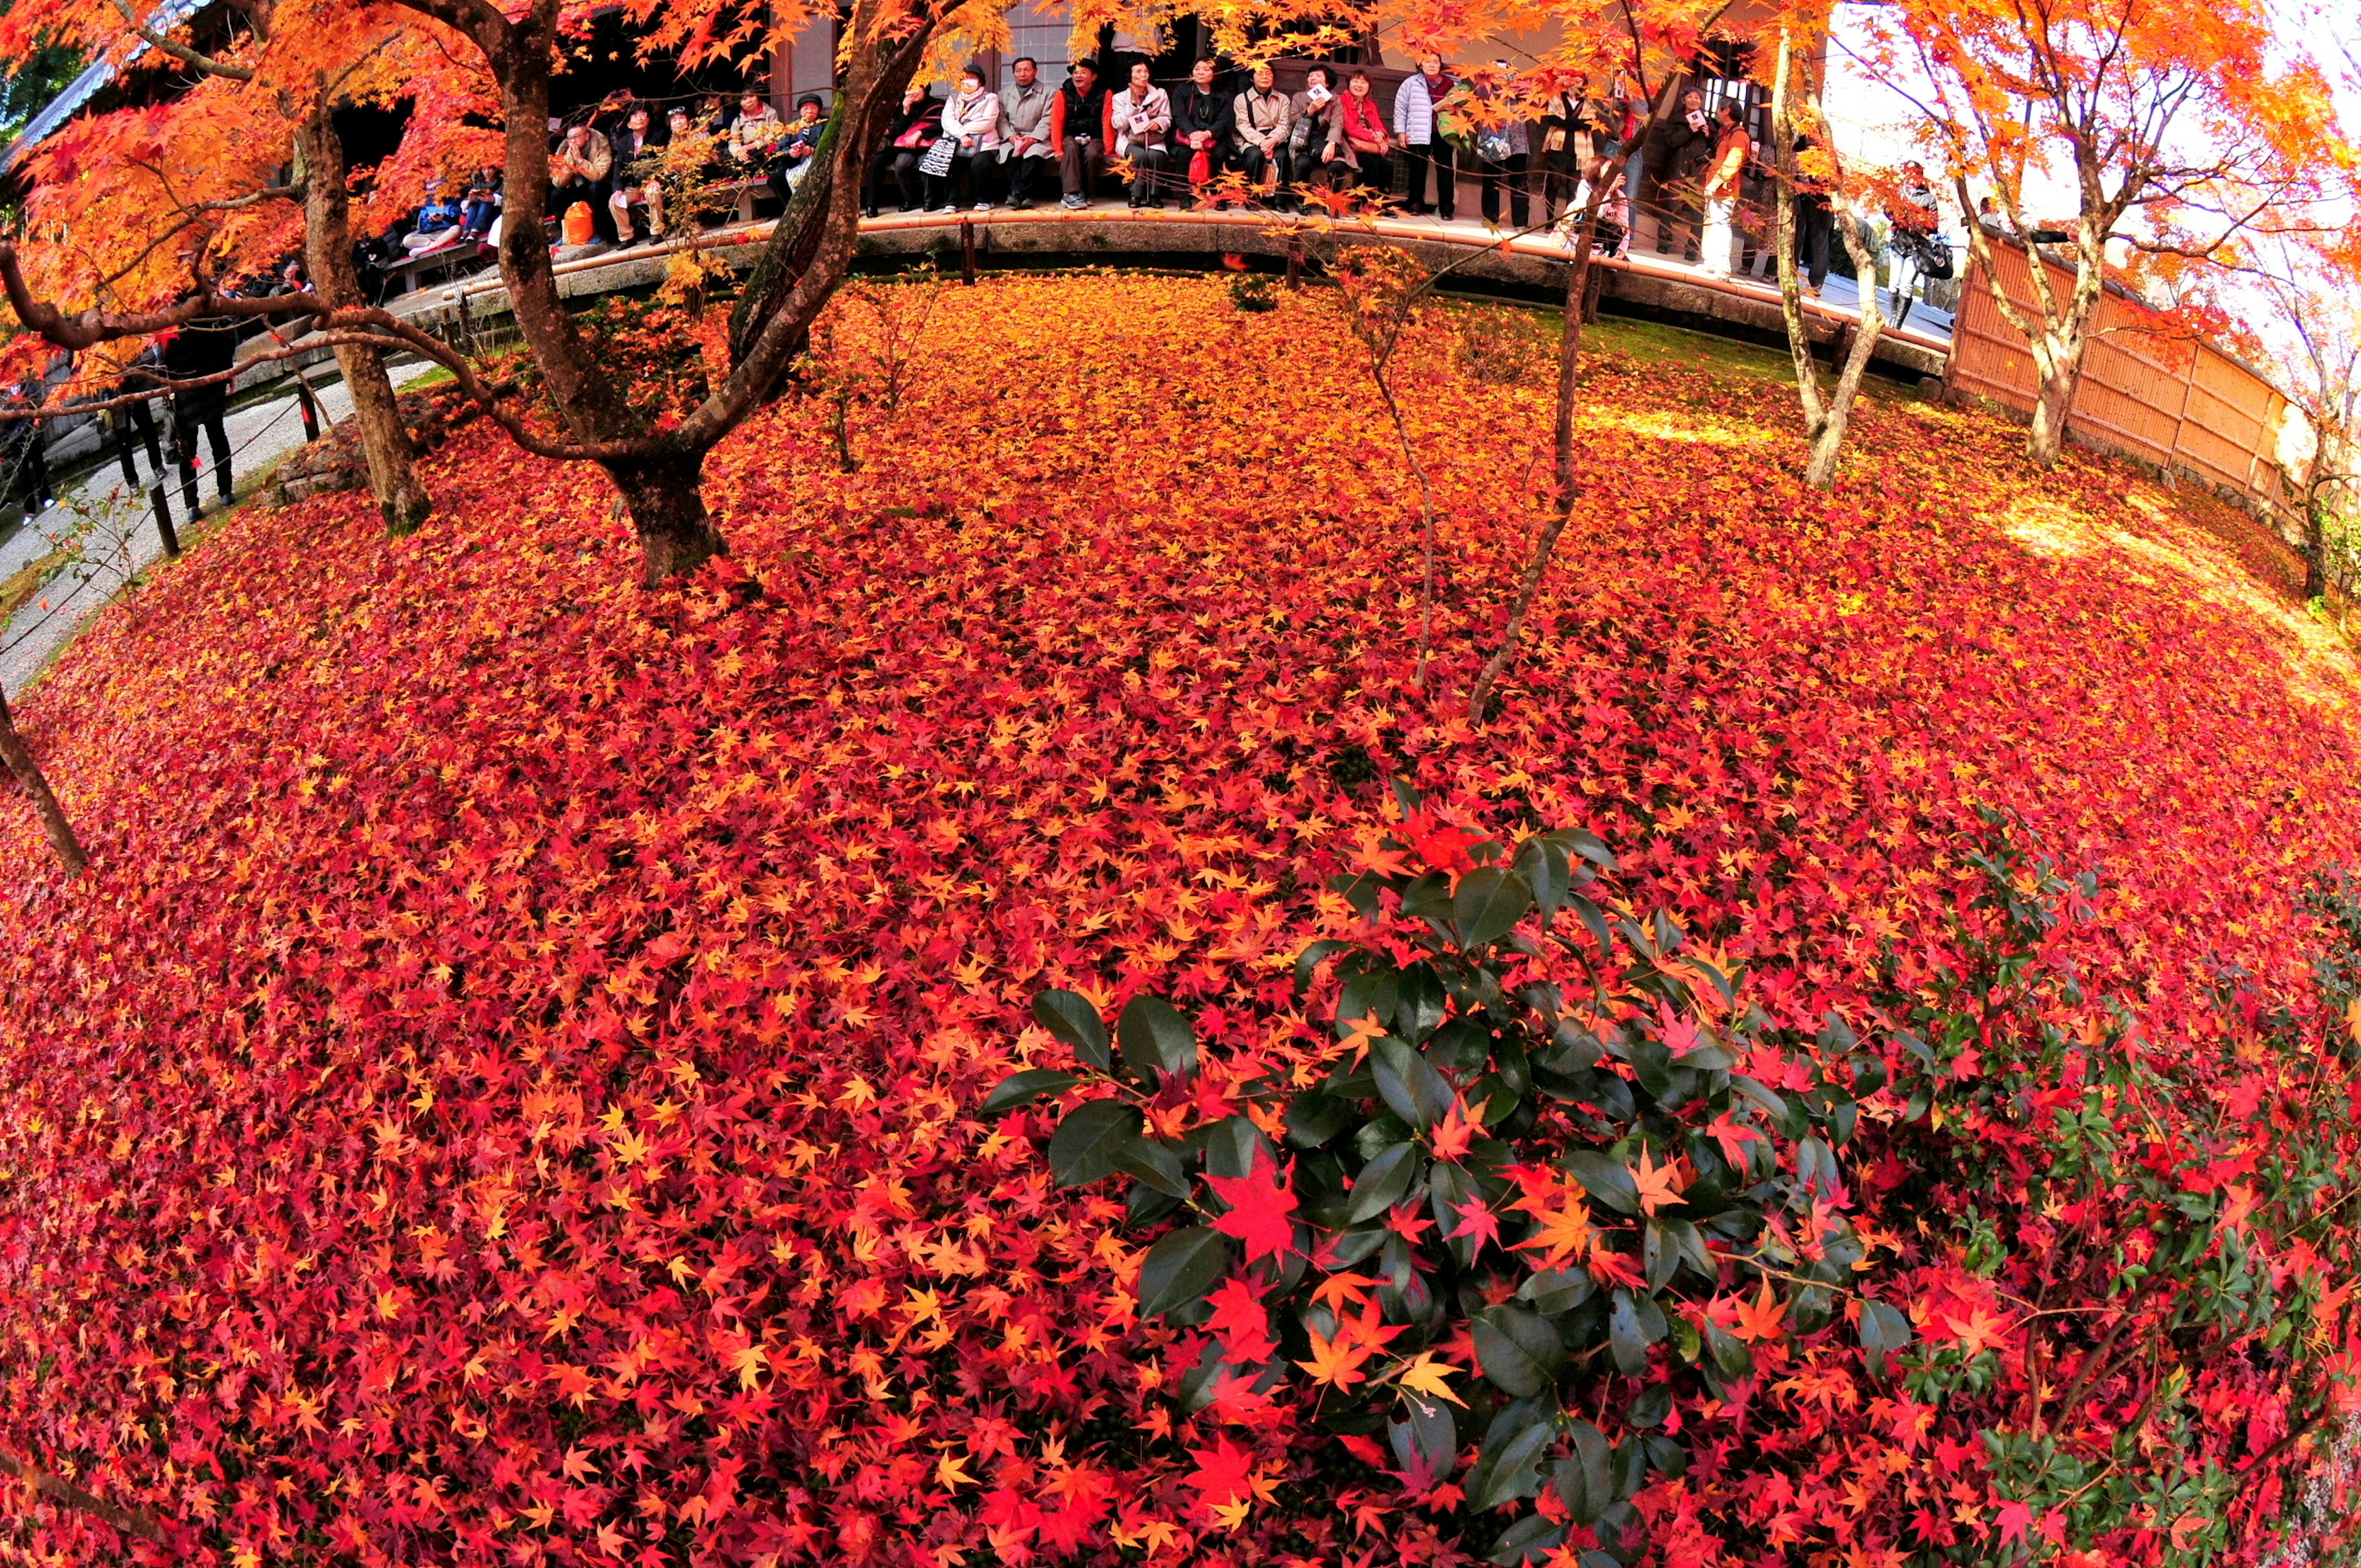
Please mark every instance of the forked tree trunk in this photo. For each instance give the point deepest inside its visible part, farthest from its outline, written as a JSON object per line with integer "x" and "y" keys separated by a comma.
{"x": 19, "y": 759}
{"x": 665, "y": 498}
{"x": 401, "y": 499}
{"x": 2315, "y": 534}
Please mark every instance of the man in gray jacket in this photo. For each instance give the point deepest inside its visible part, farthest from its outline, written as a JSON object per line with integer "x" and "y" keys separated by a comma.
{"x": 1265, "y": 117}
{"x": 1024, "y": 129}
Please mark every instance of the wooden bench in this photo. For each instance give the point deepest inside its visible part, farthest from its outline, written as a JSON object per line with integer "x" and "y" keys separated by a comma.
{"x": 406, "y": 276}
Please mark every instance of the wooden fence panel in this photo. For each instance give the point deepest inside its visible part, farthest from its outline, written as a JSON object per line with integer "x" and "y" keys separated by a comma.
{"x": 2145, "y": 393}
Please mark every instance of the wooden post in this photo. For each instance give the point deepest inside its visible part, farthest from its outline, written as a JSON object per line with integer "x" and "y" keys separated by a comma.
{"x": 967, "y": 252}
{"x": 308, "y": 405}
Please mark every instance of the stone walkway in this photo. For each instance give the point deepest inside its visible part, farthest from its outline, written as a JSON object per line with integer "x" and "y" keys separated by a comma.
{"x": 111, "y": 531}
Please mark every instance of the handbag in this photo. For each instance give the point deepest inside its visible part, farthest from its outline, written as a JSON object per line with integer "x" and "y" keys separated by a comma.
{"x": 1493, "y": 146}
{"x": 913, "y": 137}
{"x": 1201, "y": 166}
{"x": 938, "y": 161}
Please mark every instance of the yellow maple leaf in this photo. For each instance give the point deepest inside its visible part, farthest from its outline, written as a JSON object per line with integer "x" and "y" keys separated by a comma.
{"x": 950, "y": 1473}
{"x": 1336, "y": 1361}
{"x": 1425, "y": 1376}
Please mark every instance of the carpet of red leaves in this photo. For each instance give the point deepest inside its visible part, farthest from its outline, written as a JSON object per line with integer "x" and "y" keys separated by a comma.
{"x": 505, "y": 1092}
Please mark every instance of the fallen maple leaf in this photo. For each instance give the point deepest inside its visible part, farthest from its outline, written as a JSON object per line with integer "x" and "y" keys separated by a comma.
{"x": 1259, "y": 1207}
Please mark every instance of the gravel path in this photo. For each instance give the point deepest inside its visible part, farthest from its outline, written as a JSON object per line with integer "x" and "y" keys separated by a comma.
{"x": 113, "y": 530}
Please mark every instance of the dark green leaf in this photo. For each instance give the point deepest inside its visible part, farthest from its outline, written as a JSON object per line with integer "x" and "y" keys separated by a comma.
{"x": 1586, "y": 845}
{"x": 1625, "y": 1339}
{"x": 1520, "y": 1353}
{"x": 1513, "y": 1471}
{"x": 1530, "y": 1540}
{"x": 1606, "y": 1181}
{"x": 1021, "y": 1088}
{"x": 1152, "y": 1034}
{"x": 1180, "y": 1269}
{"x": 1070, "y": 1017}
{"x": 1543, "y": 862}
{"x": 1555, "y": 1290}
{"x": 1419, "y": 1003}
{"x": 1585, "y": 1483}
{"x": 1410, "y": 1088}
{"x": 1730, "y": 1356}
{"x": 1883, "y": 1330}
{"x": 1083, "y": 1147}
{"x": 1154, "y": 1164}
{"x": 1234, "y": 1145}
{"x": 1450, "y": 1189}
{"x": 1425, "y": 1439}
{"x": 1489, "y": 904}
{"x": 1313, "y": 1119}
{"x": 1651, "y": 1405}
{"x": 1383, "y": 1182}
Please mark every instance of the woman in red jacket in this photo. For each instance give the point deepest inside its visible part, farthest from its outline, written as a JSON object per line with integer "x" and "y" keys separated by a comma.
{"x": 1358, "y": 155}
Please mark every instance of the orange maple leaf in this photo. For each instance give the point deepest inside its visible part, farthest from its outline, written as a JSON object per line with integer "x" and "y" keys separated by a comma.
{"x": 1656, "y": 1184}
{"x": 1449, "y": 1138}
{"x": 1338, "y": 1360}
{"x": 1760, "y": 1319}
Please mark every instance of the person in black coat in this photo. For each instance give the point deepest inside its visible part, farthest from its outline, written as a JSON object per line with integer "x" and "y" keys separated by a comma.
{"x": 206, "y": 347}
{"x": 915, "y": 128}
{"x": 1204, "y": 118}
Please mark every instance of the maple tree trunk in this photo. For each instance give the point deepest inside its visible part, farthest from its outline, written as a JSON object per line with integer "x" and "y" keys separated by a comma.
{"x": 665, "y": 498}
{"x": 1836, "y": 417}
{"x": 19, "y": 759}
{"x": 2315, "y": 538}
{"x": 392, "y": 462}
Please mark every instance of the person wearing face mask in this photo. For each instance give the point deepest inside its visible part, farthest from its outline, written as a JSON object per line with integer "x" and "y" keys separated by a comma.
{"x": 972, "y": 119}
{"x": 1423, "y": 150}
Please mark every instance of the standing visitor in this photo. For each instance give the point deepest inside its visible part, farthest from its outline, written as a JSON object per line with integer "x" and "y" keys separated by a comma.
{"x": 1503, "y": 154}
{"x": 1683, "y": 149}
{"x": 201, "y": 352}
{"x": 1415, "y": 101}
{"x": 1721, "y": 178}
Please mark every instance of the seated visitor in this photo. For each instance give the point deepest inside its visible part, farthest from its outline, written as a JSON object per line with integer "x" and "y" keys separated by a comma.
{"x": 1139, "y": 119}
{"x": 481, "y": 208}
{"x": 1204, "y": 122}
{"x": 802, "y": 140}
{"x": 1359, "y": 154}
{"x": 1078, "y": 140}
{"x": 1264, "y": 120}
{"x": 1026, "y": 109}
{"x": 914, "y": 129}
{"x": 757, "y": 138}
{"x": 435, "y": 223}
{"x": 1312, "y": 127}
{"x": 971, "y": 123}
{"x": 638, "y": 148}
{"x": 578, "y": 172}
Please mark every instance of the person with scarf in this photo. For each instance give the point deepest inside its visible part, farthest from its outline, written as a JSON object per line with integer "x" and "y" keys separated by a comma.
{"x": 1139, "y": 119}
{"x": 971, "y": 123}
{"x": 1358, "y": 153}
{"x": 1311, "y": 127}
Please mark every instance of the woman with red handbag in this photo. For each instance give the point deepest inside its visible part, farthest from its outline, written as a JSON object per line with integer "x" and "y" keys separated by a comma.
{"x": 915, "y": 129}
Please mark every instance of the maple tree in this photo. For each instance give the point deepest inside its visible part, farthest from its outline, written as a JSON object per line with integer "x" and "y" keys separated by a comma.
{"x": 2309, "y": 290}
{"x": 522, "y": 1098}
{"x": 142, "y": 219}
{"x": 2182, "y": 128}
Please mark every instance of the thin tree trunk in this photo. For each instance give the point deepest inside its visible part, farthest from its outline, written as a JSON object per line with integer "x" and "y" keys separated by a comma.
{"x": 1836, "y": 419}
{"x": 2315, "y": 537}
{"x": 1569, "y": 369}
{"x": 2051, "y": 406}
{"x": 402, "y": 500}
{"x": 1783, "y": 215}
{"x": 19, "y": 759}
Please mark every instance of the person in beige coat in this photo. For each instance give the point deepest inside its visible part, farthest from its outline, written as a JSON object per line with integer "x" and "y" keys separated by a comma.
{"x": 1264, "y": 119}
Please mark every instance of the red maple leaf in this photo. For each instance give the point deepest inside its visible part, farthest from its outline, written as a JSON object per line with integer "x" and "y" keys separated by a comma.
{"x": 1240, "y": 1322}
{"x": 1224, "y": 1471}
{"x": 1477, "y": 1220}
{"x": 1259, "y": 1207}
